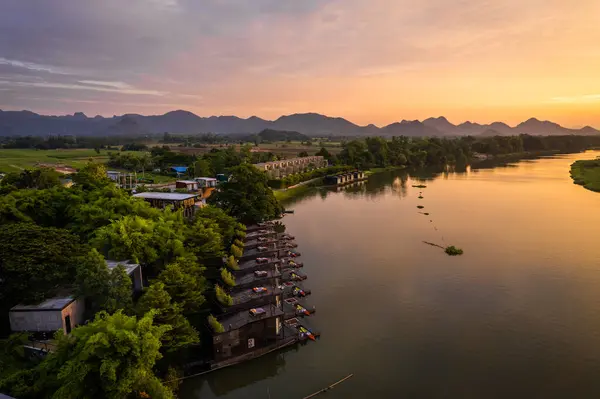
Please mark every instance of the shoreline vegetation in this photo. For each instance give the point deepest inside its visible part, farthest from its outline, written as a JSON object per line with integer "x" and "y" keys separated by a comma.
{"x": 586, "y": 173}
{"x": 287, "y": 194}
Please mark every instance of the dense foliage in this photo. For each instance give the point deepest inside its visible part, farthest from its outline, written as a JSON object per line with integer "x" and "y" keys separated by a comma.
{"x": 247, "y": 196}
{"x": 54, "y": 240}
{"x": 587, "y": 174}
{"x": 111, "y": 357}
{"x": 433, "y": 151}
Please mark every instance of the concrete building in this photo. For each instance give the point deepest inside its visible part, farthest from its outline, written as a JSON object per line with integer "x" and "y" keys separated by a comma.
{"x": 48, "y": 316}
{"x": 189, "y": 185}
{"x": 279, "y": 169}
{"x": 206, "y": 182}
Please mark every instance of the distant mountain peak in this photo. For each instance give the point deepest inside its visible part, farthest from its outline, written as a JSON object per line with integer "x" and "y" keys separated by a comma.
{"x": 309, "y": 123}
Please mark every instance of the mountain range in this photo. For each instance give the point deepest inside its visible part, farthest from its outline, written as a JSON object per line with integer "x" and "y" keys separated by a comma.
{"x": 21, "y": 123}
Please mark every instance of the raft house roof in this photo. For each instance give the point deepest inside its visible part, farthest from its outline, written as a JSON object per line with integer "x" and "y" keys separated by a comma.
{"x": 129, "y": 267}
{"x": 165, "y": 196}
{"x": 238, "y": 320}
{"x": 179, "y": 169}
{"x": 248, "y": 295}
{"x": 250, "y": 264}
{"x": 252, "y": 277}
{"x": 56, "y": 303}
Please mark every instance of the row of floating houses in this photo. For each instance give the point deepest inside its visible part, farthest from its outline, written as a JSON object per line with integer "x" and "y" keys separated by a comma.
{"x": 345, "y": 177}
{"x": 269, "y": 309}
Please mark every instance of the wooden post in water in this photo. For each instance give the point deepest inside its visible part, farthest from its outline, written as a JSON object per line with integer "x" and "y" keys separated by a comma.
{"x": 329, "y": 387}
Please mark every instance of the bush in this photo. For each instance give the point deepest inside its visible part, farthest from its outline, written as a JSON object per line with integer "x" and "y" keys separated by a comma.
{"x": 215, "y": 325}
{"x": 240, "y": 234}
{"x": 238, "y": 243}
{"x": 279, "y": 227}
{"x": 227, "y": 278}
{"x": 236, "y": 251}
{"x": 223, "y": 297}
{"x": 453, "y": 251}
{"x": 232, "y": 263}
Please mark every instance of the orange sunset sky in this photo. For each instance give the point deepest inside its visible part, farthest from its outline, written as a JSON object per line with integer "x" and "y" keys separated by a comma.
{"x": 375, "y": 61}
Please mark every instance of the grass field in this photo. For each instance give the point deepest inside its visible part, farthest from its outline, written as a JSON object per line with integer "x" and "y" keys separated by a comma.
{"x": 282, "y": 148}
{"x": 16, "y": 160}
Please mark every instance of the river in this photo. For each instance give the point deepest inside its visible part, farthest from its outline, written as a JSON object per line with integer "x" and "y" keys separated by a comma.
{"x": 516, "y": 316}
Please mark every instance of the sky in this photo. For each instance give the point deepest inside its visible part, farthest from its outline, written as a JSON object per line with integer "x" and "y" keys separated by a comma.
{"x": 369, "y": 61}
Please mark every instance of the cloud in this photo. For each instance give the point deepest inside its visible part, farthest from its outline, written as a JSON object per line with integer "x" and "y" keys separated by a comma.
{"x": 32, "y": 66}
{"x": 49, "y": 85}
{"x": 115, "y": 85}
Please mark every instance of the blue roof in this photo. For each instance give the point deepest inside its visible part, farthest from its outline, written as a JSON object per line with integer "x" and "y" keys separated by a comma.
{"x": 180, "y": 169}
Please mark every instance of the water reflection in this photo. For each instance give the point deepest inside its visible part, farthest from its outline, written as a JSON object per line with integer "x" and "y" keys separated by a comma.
{"x": 233, "y": 378}
{"x": 515, "y": 316}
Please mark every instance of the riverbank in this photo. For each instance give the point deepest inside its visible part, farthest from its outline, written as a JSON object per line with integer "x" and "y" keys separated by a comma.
{"x": 586, "y": 174}
{"x": 287, "y": 194}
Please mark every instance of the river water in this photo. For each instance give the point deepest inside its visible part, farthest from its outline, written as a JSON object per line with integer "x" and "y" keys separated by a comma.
{"x": 516, "y": 316}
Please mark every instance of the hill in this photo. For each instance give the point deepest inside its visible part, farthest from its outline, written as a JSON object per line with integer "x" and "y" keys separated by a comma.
{"x": 23, "y": 123}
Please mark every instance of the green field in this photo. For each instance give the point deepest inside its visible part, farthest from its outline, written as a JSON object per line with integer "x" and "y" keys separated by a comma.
{"x": 16, "y": 160}
{"x": 587, "y": 174}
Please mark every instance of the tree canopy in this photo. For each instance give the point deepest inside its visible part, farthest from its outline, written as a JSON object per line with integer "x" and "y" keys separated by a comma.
{"x": 247, "y": 196}
{"x": 111, "y": 357}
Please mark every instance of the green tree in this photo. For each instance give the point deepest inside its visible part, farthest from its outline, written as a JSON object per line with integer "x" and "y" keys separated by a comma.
{"x": 202, "y": 168}
{"x": 49, "y": 207}
{"x": 184, "y": 282}
{"x": 247, "y": 196}
{"x": 145, "y": 241}
{"x": 112, "y": 357}
{"x": 100, "y": 207}
{"x": 181, "y": 334}
{"x": 91, "y": 176}
{"x": 40, "y": 178}
{"x": 203, "y": 239}
{"x": 227, "y": 225}
{"x": 103, "y": 289}
{"x": 35, "y": 261}
{"x": 325, "y": 154}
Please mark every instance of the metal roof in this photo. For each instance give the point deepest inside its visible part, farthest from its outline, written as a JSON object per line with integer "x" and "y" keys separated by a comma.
{"x": 129, "y": 267}
{"x": 58, "y": 303}
{"x": 180, "y": 169}
{"x": 166, "y": 196}
{"x": 206, "y": 178}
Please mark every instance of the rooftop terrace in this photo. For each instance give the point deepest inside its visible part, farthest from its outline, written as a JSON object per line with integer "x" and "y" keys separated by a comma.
{"x": 250, "y": 295}
{"x": 240, "y": 319}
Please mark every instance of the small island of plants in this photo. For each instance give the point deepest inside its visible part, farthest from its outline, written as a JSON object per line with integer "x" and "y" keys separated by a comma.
{"x": 453, "y": 251}
{"x": 587, "y": 174}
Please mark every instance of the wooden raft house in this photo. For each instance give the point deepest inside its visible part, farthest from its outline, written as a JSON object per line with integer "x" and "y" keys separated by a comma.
{"x": 345, "y": 178}
{"x": 266, "y": 304}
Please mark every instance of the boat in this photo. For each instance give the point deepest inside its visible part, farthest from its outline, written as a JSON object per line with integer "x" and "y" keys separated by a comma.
{"x": 306, "y": 332}
{"x": 288, "y": 211}
{"x": 302, "y": 310}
